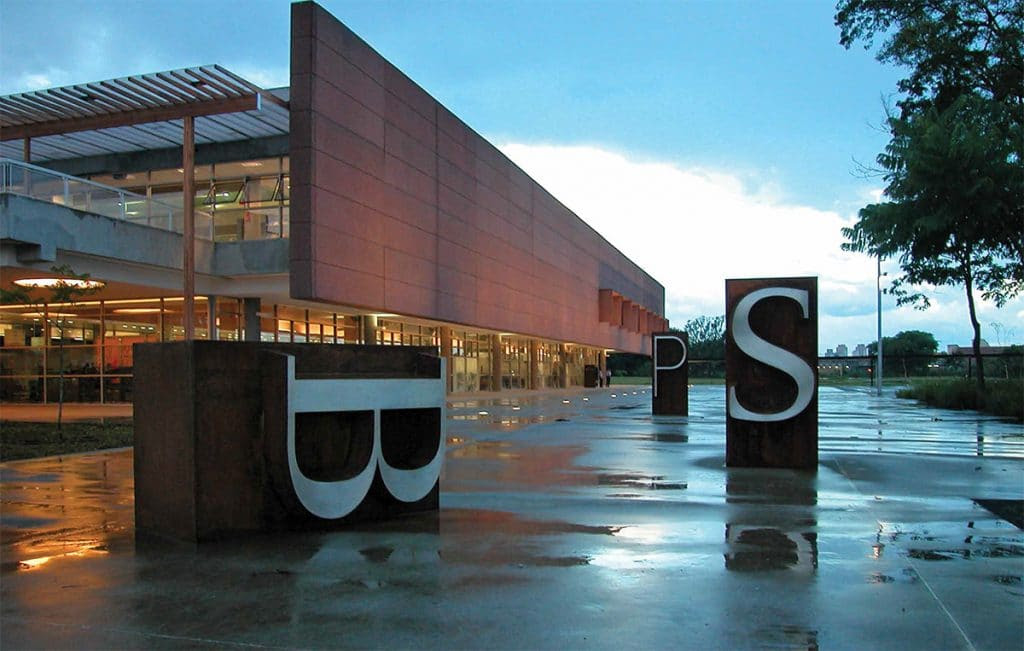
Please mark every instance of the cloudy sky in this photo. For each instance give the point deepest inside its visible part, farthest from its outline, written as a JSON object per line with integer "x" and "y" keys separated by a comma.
{"x": 737, "y": 127}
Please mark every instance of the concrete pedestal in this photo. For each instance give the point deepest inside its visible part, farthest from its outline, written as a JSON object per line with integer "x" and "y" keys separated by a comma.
{"x": 235, "y": 437}
{"x": 771, "y": 371}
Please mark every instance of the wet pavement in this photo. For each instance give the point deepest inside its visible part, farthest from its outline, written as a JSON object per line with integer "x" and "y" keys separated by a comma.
{"x": 567, "y": 520}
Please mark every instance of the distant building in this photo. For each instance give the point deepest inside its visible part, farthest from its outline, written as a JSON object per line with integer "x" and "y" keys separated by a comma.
{"x": 860, "y": 351}
{"x": 842, "y": 350}
{"x": 954, "y": 349}
{"x": 830, "y": 353}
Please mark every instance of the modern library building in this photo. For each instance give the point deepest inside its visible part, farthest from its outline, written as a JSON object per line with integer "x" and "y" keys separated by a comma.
{"x": 349, "y": 207}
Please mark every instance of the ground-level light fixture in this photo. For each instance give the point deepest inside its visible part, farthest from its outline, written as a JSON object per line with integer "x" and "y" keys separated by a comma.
{"x": 78, "y": 283}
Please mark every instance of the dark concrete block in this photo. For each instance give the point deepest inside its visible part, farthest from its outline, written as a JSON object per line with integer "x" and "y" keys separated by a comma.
{"x": 771, "y": 354}
{"x": 671, "y": 373}
{"x": 227, "y": 434}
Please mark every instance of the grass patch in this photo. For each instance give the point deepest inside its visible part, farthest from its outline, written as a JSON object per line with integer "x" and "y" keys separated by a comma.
{"x": 630, "y": 380}
{"x": 1004, "y": 398}
{"x": 24, "y": 440}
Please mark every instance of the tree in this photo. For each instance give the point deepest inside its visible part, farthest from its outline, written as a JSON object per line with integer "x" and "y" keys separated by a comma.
{"x": 911, "y": 349}
{"x": 954, "y": 166}
{"x": 707, "y": 342}
{"x": 629, "y": 364}
{"x": 68, "y": 289}
{"x": 707, "y": 337}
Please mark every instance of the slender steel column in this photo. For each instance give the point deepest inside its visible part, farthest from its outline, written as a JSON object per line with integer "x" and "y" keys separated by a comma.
{"x": 878, "y": 287}
{"x": 188, "y": 156}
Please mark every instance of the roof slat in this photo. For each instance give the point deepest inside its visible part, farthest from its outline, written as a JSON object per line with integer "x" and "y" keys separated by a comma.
{"x": 185, "y": 91}
{"x": 141, "y": 112}
{"x": 79, "y": 107}
{"x": 112, "y": 99}
{"x": 133, "y": 97}
{"x": 27, "y": 110}
{"x": 141, "y": 85}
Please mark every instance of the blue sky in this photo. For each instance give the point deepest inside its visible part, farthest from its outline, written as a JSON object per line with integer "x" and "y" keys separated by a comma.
{"x": 728, "y": 120}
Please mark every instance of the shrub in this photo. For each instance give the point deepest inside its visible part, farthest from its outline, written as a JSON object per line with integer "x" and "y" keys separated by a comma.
{"x": 1004, "y": 398}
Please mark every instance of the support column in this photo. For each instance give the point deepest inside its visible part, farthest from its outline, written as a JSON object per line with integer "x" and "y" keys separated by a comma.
{"x": 534, "y": 363}
{"x": 188, "y": 155}
{"x": 563, "y": 366}
{"x": 251, "y": 306}
{"x": 211, "y": 318}
{"x": 496, "y": 362}
{"x": 26, "y": 155}
{"x": 103, "y": 345}
{"x": 446, "y": 353}
{"x": 369, "y": 322}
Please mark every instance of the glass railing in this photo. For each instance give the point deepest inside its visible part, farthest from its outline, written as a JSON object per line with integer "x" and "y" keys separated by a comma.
{"x": 40, "y": 183}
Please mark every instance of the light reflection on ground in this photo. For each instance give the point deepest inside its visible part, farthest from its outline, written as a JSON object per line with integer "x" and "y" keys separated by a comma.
{"x": 565, "y": 518}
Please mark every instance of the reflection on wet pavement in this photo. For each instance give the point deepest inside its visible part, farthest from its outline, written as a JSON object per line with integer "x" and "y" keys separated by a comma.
{"x": 567, "y": 520}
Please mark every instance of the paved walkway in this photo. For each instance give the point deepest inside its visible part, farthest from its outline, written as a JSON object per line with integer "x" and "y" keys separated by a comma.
{"x": 566, "y": 521}
{"x": 47, "y": 413}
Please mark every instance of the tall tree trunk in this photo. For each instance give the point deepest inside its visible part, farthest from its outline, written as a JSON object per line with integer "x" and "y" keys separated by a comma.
{"x": 969, "y": 284}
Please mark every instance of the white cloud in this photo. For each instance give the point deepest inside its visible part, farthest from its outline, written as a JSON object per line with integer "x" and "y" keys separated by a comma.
{"x": 37, "y": 80}
{"x": 263, "y": 77}
{"x": 691, "y": 228}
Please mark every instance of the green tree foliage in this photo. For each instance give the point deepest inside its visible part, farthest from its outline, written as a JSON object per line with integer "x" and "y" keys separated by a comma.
{"x": 62, "y": 293}
{"x": 954, "y": 166}
{"x": 629, "y": 365}
{"x": 707, "y": 345}
{"x": 909, "y": 352}
{"x": 707, "y": 337}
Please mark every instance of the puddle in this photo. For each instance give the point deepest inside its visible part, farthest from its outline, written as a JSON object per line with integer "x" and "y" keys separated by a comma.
{"x": 790, "y": 637}
{"x": 510, "y": 555}
{"x": 476, "y": 522}
{"x": 655, "y": 482}
{"x": 758, "y": 549}
{"x": 997, "y": 551}
{"x": 670, "y": 438}
{"x": 490, "y": 580}
{"x": 377, "y": 554}
{"x": 660, "y": 438}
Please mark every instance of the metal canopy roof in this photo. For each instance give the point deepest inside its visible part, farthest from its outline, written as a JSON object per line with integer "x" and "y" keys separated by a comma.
{"x": 139, "y": 113}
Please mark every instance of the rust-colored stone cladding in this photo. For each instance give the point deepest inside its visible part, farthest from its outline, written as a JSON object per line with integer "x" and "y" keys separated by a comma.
{"x": 760, "y": 440}
{"x": 210, "y": 435}
{"x": 398, "y": 206}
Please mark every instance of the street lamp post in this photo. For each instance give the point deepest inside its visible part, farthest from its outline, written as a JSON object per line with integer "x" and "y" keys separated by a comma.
{"x": 878, "y": 287}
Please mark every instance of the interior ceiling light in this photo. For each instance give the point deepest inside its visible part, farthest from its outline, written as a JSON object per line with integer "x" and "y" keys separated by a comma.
{"x": 137, "y": 310}
{"x": 78, "y": 283}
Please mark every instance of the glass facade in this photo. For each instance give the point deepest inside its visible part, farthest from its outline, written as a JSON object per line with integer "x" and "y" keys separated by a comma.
{"x": 470, "y": 361}
{"x": 246, "y": 200}
{"x": 90, "y": 342}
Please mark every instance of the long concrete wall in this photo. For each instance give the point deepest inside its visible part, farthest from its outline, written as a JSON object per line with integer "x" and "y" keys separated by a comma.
{"x": 398, "y": 206}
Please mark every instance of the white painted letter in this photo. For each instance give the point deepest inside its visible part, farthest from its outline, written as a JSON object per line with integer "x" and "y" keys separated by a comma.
{"x": 771, "y": 355}
{"x": 654, "y": 355}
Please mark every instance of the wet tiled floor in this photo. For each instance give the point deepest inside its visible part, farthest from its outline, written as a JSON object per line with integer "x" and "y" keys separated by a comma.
{"x": 567, "y": 520}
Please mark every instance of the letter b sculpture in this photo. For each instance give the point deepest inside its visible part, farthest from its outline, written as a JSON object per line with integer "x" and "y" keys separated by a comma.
{"x": 234, "y": 437}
